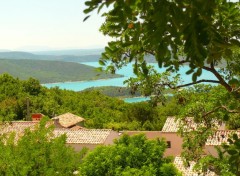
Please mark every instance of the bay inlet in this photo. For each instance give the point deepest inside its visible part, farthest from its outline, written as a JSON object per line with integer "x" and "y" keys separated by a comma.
{"x": 127, "y": 72}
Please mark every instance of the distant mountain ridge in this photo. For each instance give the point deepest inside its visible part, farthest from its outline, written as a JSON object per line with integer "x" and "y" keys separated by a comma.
{"x": 51, "y": 71}
{"x": 72, "y": 52}
{"x": 66, "y": 58}
{"x": 81, "y": 55}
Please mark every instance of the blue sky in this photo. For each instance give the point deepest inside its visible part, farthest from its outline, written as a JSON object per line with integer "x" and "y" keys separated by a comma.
{"x": 48, "y": 24}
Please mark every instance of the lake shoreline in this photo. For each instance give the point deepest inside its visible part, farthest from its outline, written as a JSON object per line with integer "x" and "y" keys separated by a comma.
{"x": 91, "y": 80}
{"x": 127, "y": 72}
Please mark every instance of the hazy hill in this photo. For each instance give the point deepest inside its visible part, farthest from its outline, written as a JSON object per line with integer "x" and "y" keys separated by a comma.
{"x": 18, "y": 55}
{"x": 66, "y": 58}
{"x": 74, "y": 52}
{"x": 92, "y": 55}
{"x": 51, "y": 71}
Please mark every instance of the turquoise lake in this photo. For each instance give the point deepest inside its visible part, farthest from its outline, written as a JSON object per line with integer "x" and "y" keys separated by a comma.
{"x": 127, "y": 72}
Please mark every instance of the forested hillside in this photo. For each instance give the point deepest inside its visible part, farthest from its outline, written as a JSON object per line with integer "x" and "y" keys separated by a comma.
{"x": 51, "y": 71}
{"x": 100, "y": 111}
{"x": 114, "y": 91}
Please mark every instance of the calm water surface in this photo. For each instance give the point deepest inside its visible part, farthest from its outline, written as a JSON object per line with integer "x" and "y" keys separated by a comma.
{"x": 127, "y": 72}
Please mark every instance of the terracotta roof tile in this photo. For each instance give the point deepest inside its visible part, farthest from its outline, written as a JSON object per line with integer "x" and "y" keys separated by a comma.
{"x": 172, "y": 124}
{"x": 17, "y": 126}
{"x": 76, "y": 127}
{"x": 188, "y": 171}
{"x": 84, "y": 136}
{"x": 68, "y": 119}
{"x": 79, "y": 136}
{"x": 221, "y": 136}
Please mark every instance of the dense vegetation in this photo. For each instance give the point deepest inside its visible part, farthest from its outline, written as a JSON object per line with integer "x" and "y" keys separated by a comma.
{"x": 99, "y": 110}
{"x": 51, "y": 71}
{"x": 114, "y": 91}
{"x": 173, "y": 33}
{"x": 37, "y": 153}
{"x": 34, "y": 154}
{"x": 204, "y": 35}
{"x": 129, "y": 156}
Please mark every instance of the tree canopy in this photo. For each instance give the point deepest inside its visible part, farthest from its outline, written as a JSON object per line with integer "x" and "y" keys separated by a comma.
{"x": 129, "y": 156}
{"x": 37, "y": 153}
{"x": 201, "y": 34}
{"x": 100, "y": 111}
{"x": 198, "y": 34}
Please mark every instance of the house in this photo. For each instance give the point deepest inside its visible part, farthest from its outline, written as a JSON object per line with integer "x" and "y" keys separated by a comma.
{"x": 174, "y": 141}
{"x": 171, "y": 127}
{"x": 78, "y": 139}
{"x": 89, "y": 138}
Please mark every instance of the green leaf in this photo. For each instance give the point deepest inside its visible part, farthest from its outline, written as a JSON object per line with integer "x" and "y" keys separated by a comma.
{"x": 104, "y": 56}
{"x": 108, "y": 50}
{"x": 189, "y": 71}
{"x": 194, "y": 77}
{"x": 100, "y": 7}
{"x": 86, "y": 18}
{"x": 88, "y": 10}
{"x": 144, "y": 68}
{"x": 199, "y": 72}
{"x": 235, "y": 137}
{"x": 101, "y": 62}
{"x": 233, "y": 82}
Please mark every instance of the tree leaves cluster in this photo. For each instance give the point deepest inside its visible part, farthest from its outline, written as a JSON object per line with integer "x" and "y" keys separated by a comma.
{"x": 203, "y": 35}
{"x": 37, "y": 153}
{"x": 129, "y": 156}
{"x": 174, "y": 32}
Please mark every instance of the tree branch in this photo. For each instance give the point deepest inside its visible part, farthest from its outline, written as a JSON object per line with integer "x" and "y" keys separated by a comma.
{"x": 189, "y": 84}
{"x": 220, "y": 107}
{"x": 237, "y": 89}
{"x": 218, "y": 76}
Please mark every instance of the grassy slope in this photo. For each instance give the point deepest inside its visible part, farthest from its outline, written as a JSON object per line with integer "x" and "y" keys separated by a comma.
{"x": 51, "y": 71}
